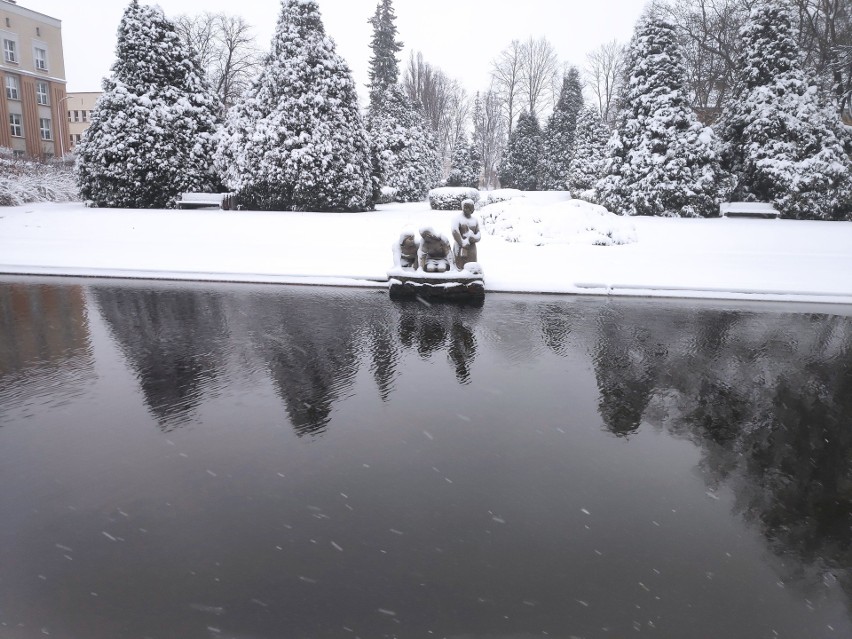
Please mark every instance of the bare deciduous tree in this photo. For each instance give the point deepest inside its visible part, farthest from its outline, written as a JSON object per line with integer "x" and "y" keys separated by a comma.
{"x": 604, "y": 67}
{"x": 226, "y": 49}
{"x": 540, "y": 69}
{"x": 489, "y": 133}
{"x": 506, "y": 77}
{"x": 443, "y": 101}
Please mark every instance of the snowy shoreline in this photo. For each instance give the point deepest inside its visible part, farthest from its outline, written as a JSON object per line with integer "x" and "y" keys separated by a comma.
{"x": 718, "y": 258}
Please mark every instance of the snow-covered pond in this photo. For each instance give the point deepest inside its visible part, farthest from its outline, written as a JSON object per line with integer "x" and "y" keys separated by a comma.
{"x": 199, "y": 461}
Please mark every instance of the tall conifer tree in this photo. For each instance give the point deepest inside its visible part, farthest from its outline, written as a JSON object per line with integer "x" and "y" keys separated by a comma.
{"x": 661, "y": 160}
{"x": 521, "y": 167}
{"x": 589, "y": 156}
{"x": 781, "y": 143}
{"x": 297, "y": 141}
{"x": 558, "y": 136}
{"x": 402, "y": 145}
{"x": 152, "y": 132}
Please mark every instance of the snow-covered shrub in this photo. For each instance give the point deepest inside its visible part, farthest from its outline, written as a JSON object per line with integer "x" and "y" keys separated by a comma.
{"x": 661, "y": 159}
{"x": 502, "y": 195}
{"x": 568, "y": 222}
{"x": 152, "y": 131}
{"x": 22, "y": 182}
{"x": 466, "y": 164}
{"x": 781, "y": 143}
{"x": 450, "y": 198}
{"x": 296, "y": 141}
{"x": 387, "y": 194}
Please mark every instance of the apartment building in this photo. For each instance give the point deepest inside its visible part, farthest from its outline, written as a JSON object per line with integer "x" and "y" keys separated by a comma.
{"x": 79, "y": 107}
{"x": 32, "y": 82}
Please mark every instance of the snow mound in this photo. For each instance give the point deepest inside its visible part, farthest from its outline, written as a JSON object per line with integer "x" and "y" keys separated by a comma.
{"x": 567, "y": 222}
{"x": 450, "y": 198}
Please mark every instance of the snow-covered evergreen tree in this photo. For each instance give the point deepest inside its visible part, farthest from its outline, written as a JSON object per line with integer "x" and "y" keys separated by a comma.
{"x": 661, "y": 160}
{"x": 296, "y": 141}
{"x": 520, "y": 168}
{"x": 384, "y": 67}
{"x": 466, "y": 165}
{"x": 782, "y": 145}
{"x": 589, "y": 156}
{"x": 558, "y": 136}
{"x": 403, "y": 146}
{"x": 152, "y": 132}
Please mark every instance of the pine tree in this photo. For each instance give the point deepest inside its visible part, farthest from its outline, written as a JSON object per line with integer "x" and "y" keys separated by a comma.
{"x": 521, "y": 164}
{"x": 152, "y": 132}
{"x": 558, "y": 137}
{"x": 403, "y": 145}
{"x": 296, "y": 141}
{"x": 661, "y": 160}
{"x": 589, "y": 156}
{"x": 466, "y": 165}
{"x": 782, "y": 145}
{"x": 384, "y": 67}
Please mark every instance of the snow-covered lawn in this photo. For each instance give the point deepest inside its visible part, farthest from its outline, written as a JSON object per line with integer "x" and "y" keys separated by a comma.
{"x": 728, "y": 258}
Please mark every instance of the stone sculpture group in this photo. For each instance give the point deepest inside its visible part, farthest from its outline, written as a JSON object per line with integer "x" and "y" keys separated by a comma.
{"x": 432, "y": 252}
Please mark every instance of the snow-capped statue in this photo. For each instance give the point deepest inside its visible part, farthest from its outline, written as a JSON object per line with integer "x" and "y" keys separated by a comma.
{"x": 405, "y": 250}
{"x": 434, "y": 251}
{"x": 465, "y": 230}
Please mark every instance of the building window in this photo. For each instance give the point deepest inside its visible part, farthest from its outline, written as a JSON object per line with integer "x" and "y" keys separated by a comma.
{"x": 76, "y": 116}
{"x": 40, "y": 57}
{"x": 13, "y": 90}
{"x": 44, "y": 128}
{"x": 85, "y": 116}
{"x": 16, "y": 125}
{"x": 10, "y": 51}
{"x": 41, "y": 93}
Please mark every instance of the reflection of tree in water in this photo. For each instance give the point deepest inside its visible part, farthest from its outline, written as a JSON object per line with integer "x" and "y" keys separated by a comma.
{"x": 310, "y": 345}
{"x": 45, "y": 344}
{"x": 172, "y": 339}
{"x": 768, "y": 400}
{"x": 431, "y": 328}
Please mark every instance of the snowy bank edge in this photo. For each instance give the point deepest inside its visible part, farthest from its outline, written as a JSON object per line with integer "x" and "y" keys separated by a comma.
{"x": 370, "y": 282}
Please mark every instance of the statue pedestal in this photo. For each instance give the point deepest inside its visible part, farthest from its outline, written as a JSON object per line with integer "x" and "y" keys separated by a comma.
{"x": 453, "y": 285}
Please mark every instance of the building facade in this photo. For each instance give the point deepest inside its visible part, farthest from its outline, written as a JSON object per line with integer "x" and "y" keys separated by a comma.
{"x": 80, "y": 106}
{"x": 32, "y": 82}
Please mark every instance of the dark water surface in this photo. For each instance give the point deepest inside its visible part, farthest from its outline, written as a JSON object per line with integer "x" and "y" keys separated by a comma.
{"x": 182, "y": 461}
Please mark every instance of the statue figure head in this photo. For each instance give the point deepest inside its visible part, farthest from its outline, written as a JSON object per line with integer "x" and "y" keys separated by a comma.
{"x": 467, "y": 207}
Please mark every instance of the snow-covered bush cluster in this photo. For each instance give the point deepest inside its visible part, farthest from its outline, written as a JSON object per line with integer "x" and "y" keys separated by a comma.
{"x": 450, "y": 198}
{"x": 22, "y": 182}
{"x": 567, "y": 222}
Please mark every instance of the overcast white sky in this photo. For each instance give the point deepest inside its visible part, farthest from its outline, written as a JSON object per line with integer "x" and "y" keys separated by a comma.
{"x": 459, "y": 36}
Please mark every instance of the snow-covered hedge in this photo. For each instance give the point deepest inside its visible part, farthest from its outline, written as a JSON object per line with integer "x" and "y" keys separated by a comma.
{"x": 387, "y": 195}
{"x": 449, "y": 198}
{"x": 502, "y": 195}
{"x": 568, "y": 222}
{"x": 22, "y": 182}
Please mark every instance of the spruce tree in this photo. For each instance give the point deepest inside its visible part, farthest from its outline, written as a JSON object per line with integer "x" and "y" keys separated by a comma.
{"x": 558, "y": 137}
{"x": 296, "y": 141}
{"x": 521, "y": 164}
{"x": 152, "y": 132}
{"x": 589, "y": 156}
{"x": 403, "y": 147}
{"x": 661, "y": 160}
{"x": 384, "y": 67}
{"x": 781, "y": 143}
